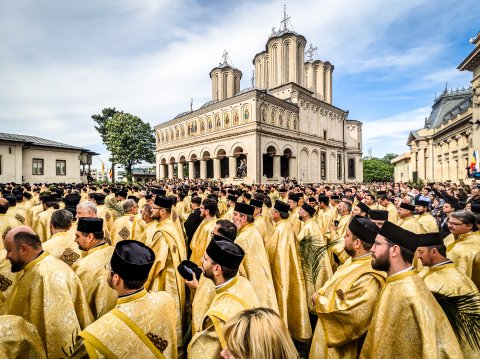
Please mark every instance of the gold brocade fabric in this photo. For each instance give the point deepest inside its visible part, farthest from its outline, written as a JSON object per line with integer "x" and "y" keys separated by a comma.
{"x": 126, "y": 227}
{"x": 18, "y": 213}
{"x": 19, "y": 339}
{"x": 6, "y": 223}
{"x": 150, "y": 229}
{"x": 153, "y": 313}
{"x": 339, "y": 235}
{"x": 222, "y": 207}
{"x": 428, "y": 223}
{"x": 410, "y": 224}
{"x": 91, "y": 271}
{"x": 262, "y": 227}
{"x": 49, "y": 295}
{"x": 41, "y": 224}
{"x": 295, "y": 221}
{"x": 448, "y": 280}
{"x": 164, "y": 275}
{"x": 202, "y": 300}
{"x": 230, "y": 299}
{"x": 392, "y": 213}
{"x": 61, "y": 245}
{"x": 345, "y": 308}
{"x": 409, "y": 323}
{"x": 465, "y": 253}
{"x": 311, "y": 229}
{"x": 107, "y": 216}
{"x": 257, "y": 266}
{"x": 288, "y": 280}
{"x": 7, "y": 278}
{"x": 33, "y": 212}
{"x": 228, "y": 216}
{"x": 201, "y": 239}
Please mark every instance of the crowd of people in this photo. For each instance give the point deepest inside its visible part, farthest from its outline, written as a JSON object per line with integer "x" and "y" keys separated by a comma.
{"x": 204, "y": 269}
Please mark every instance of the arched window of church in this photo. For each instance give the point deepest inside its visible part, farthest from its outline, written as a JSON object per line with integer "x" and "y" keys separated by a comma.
{"x": 225, "y": 85}
{"x": 274, "y": 65}
{"x": 286, "y": 61}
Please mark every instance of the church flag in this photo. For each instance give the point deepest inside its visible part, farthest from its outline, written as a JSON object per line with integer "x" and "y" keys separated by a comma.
{"x": 473, "y": 164}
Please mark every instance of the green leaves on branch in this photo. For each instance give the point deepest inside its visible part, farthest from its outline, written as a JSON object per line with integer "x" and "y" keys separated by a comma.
{"x": 378, "y": 169}
{"x": 311, "y": 256}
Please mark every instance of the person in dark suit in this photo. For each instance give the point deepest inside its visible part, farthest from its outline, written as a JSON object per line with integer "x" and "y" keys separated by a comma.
{"x": 193, "y": 221}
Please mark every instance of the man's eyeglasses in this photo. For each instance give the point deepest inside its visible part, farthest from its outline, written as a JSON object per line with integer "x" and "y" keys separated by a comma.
{"x": 455, "y": 223}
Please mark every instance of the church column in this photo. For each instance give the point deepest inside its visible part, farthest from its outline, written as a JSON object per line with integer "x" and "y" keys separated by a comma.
{"x": 421, "y": 163}
{"x": 203, "y": 169}
{"x": 413, "y": 161}
{"x": 191, "y": 169}
{"x": 292, "y": 167}
{"x": 276, "y": 167}
{"x": 216, "y": 168}
{"x": 232, "y": 167}
{"x": 180, "y": 169}
{"x": 170, "y": 170}
{"x": 162, "y": 171}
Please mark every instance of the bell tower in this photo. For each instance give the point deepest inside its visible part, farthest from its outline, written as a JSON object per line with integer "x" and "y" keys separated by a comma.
{"x": 225, "y": 79}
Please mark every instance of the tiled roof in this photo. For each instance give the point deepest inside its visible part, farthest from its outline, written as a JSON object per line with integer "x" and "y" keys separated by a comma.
{"x": 38, "y": 141}
{"x": 449, "y": 104}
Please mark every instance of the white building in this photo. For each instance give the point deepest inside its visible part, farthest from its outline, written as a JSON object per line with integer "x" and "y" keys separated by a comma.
{"x": 283, "y": 126}
{"x": 34, "y": 160}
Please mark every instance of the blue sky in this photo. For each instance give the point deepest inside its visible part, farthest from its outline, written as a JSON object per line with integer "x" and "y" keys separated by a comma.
{"x": 61, "y": 62}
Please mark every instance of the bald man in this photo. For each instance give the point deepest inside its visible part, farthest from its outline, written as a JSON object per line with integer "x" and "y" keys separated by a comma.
{"x": 48, "y": 294}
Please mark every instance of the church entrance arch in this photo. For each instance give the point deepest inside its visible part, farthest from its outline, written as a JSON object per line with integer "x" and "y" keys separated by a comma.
{"x": 209, "y": 164}
{"x": 285, "y": 163}
{"x": 268, "y": 161}
{"x": 222, "y": 156}
{"x": 241, "y": 162}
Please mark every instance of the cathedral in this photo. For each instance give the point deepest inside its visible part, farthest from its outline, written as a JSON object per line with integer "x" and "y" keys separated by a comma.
{"x": 284, "y": 126}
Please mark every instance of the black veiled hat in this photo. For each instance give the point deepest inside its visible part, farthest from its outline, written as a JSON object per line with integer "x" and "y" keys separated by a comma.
{"x": 225, "y": 252}
{"x": 132, "y": 260}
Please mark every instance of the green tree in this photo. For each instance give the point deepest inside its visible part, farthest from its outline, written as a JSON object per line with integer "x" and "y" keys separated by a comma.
{"x": 101, "y": 120}
{"x": 130, "y": 140}
{"x": 378, "y": 169}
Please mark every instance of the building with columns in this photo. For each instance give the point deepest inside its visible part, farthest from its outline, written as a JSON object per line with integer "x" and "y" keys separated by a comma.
{"x": 285, "y": 125}
{"x": 443, "y": 148}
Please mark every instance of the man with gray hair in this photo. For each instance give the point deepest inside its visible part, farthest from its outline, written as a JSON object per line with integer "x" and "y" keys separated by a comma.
{"x": 128, "y": 226}
{"x": 61, "y": 244}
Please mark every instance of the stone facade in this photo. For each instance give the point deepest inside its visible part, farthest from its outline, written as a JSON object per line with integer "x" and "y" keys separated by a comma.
{"x": 443, "y": 149}
{"x": 284, "y": 126}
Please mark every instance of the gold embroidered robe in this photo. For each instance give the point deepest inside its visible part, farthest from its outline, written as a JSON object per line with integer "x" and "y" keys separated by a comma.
{"x": 345, "y": 308}
{"x": 147, "y": 234}
{"x": 49, "y": 295}
{"x": 7, "y": 278}
{"x": 32, "y": 213}
{"x": 106, "y": 214}
{"x": 41, "y": 224}
{"x": 409, "y": 323}
{"x": 288, "y": 280}
{"x": 465, "y": 253}
{"x": 113, "y": 337}
{"x": 338, "y": 235}
{"x": 447, "y": 279}
{"x": 392, "y": 213}
{"x": 61, "y": 245}
{"x": 410, "y": 224}
{"x": 126, "y": 227}
{"x": 164, "y": 275}
{"x": 262, "y": 227}
{"x": 201, "y": 239}
{"x": 18, "y": 213}
{"x": 202, "y": 300}
{"x": 222, "y": 207}
{"x": 93, "y": 274}
{"x": 6, "y": 223}
{"x": 427, "y": 222}
{"x": 295, "y": 221}
{"x": 312, "y": 229}
{"x": 228, "y": 215}
{"x": 19, "y": 339}
{"x": 257, "y": 265}
{"x": 230, "y": 299}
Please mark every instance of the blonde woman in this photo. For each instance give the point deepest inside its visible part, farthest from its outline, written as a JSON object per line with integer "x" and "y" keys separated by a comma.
{"x": 257, "y": 333}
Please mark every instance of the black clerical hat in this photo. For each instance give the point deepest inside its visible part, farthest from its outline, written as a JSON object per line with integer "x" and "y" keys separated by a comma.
{"x": 281, "y": 206}
{"x": 363, "y": 228}
{"x": 232, "y": 198}
{"x": 363, "y": 207}
{"x": 244, "y": 208}
{"x": 378, "y": 214}
{"x": 186, "y": 268}
{"x": 99, "y": 198}
{"x": 422, "y": 203}
{"x": 335, "y": 197}
{"x": 247, "y": 195}
{"x": 225, "y": 252}
{"x": 294, "y": 197}
{"x": 90, "y": 225}
{"x": 400, "y": 236}
{"x": 309, "y": 209}
{"x": 429, "y": 239}
{"x": 256, "y": 203}
{"x": 407, "y": 206}
{"x": 163, "y": 202}
{"x": 159, "y": 191}
{"x": 323, "y": 199}
{"x": 132, "y": 260}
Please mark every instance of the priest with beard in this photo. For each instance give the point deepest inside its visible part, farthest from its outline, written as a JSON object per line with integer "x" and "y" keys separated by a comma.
{"x": 407, "y": 322}
{"x": 48, "y": 294}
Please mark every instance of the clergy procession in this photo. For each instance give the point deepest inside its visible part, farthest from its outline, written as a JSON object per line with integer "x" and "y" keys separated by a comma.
{"x": 202, "y": 269}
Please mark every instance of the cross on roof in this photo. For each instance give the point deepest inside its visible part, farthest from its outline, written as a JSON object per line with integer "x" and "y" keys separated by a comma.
{"x": 286, "y": 18}
{"x": 311, "y": 53}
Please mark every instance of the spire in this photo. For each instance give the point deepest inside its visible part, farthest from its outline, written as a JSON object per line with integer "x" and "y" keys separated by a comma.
{"x": 286, "y": 19}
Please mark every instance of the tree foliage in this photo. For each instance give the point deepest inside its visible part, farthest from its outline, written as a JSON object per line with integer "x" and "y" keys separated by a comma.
{"x": 129, "y": 139}
{"x": 378, "y": 169}
{"x": 101, "y": 120}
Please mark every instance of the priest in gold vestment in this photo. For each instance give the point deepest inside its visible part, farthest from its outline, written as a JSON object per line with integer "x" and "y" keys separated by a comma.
{"x": 128, "y": 226}
{"x": 345, "y": 303}
{"x": 287, "y": 275}
{"x": 91, "y": 268}
{"x": 62, "y": 244}
{"x": 7, "y": 278}
{"x": 48, "y": 294}
{"x": 220, "y": 264}
{"x": 407, "y": 322}
{"x": 407, "y": 220}
{"x": 463, "y": 244}
{"x": 143, "y": 324}
{"x": 293, "y": 218}
{"x": 255, "y": 263}
{"x": 426, "y": 220}
{"x": 19, "y": 339}
{"x": 41, "y": 223}
{"x": 201, "y": 238}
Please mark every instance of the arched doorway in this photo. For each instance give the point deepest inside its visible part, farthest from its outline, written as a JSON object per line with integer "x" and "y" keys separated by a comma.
{"x": 222, "y": 156}
{"x": 196, "y": 166}
{"x": 285, "y": 163}
{"x": 268, "y": 161}
{"x": 209, "y": 160}
{"x": 241, "y": 162}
